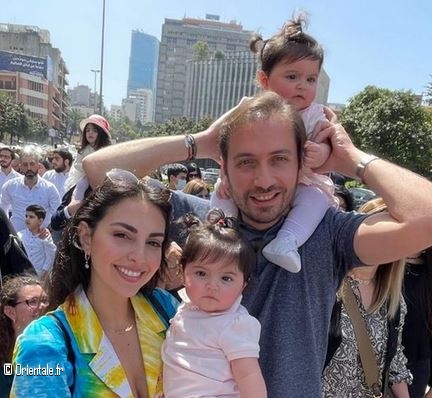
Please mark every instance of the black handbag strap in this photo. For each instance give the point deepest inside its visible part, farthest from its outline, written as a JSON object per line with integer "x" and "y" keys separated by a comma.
{"x": 70, "y": 352}
{"x": 392, "y": 343}
{"x": 367, "y": 356}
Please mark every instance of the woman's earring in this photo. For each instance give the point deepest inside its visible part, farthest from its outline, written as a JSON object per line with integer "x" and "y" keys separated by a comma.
{"x": 86, "y": 264}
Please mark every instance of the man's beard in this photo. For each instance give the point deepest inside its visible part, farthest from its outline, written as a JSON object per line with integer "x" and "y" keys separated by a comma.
{"x": 60, "y": 169}
{"x": 30, "y": 174}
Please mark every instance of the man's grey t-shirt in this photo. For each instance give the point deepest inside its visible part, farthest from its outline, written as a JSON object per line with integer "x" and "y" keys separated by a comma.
{"x": 294, "y": 309}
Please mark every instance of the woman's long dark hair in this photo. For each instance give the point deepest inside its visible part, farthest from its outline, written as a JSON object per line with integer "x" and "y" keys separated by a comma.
{"x": 102, "y": 139}
{"x": 68, "y": 270}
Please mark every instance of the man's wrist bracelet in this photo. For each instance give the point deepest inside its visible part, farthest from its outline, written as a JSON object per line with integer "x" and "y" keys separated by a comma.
{"x": 191, "y": 147}
{"x": 363, "y": 164}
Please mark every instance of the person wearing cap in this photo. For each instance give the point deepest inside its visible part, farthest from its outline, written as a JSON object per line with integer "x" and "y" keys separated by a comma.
{"x": 95, "y": 135}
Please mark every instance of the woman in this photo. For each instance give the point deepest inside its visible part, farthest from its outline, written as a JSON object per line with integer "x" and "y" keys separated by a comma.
{"x": 193, "y": 172}
{"x": 95, "y": 135}
{"x": 198, "y": 188}
{"x": 377, "y": 289}
{"x": 107, "y": 332}
{"x": 417, "y": 332}
{"x": 22, "y": 300}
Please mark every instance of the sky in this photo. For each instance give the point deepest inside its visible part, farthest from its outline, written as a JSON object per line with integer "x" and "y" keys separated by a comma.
{"x": 385, "y": 43}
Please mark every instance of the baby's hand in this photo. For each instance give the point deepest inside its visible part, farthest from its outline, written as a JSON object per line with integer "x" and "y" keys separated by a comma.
{"x": 312, "y": 155}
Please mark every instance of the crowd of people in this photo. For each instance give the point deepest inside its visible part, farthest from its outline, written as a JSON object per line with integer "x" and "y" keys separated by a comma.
{"x": 125, "y": 284}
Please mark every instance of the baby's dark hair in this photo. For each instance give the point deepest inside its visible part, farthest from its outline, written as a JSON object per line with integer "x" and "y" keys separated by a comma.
{"x": 291, "y": 43}
{"x": 38, "y": 210}
{"x": 215, "y": 239}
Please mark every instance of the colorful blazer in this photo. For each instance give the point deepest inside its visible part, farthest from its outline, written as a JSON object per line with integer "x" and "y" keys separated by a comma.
{"x": 96, "y": 370}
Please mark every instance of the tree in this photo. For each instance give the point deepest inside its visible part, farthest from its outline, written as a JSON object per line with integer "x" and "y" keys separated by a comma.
{"x": 74, "y": 116}
{"x": 201, "y": 50}
{"x": 391, "y": 124}
{"x": 13, "y": 120}
{"x": 37, "y": 131}
{"x": 178, "y": 126}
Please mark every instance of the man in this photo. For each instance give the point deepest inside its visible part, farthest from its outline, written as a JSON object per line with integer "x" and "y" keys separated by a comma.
{"x": 61, "y": 162}
{"x": 29, "y": 189}
{"x": 261, "y": 144}
{"x": 7, "y": 156}
{"x": 176, "y": 174}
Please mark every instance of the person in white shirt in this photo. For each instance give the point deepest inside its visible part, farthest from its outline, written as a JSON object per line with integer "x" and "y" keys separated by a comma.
{"x": 62, "y": 161}
{"x": 23, "y": 191}
{"x": 7, "y": 156}
{"x": 37, "y": 241}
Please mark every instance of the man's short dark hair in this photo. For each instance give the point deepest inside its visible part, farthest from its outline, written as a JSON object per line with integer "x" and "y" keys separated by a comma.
{"x": 65, "y": 155}
{"x": 38, "y": 210}
{"x": 175, "y": 169}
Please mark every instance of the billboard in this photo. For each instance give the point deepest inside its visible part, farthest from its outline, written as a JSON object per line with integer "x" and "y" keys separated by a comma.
{"x": 14, "y": 62}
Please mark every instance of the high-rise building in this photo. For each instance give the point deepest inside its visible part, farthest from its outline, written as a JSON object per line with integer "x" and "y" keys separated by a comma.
{"x": 138, "y": 106}
{"x": 177, "y": 46}
{"x": 40, "y": 76}
{"x": 215, "y": 85}
{"x": 143, "y": 62}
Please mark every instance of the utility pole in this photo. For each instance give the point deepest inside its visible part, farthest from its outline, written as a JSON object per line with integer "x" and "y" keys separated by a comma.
{"x": 95, "y": 71}
{"x": 102, "y": 57}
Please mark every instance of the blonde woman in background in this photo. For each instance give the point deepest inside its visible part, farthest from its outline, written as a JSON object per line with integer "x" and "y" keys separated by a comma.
{"x": 378, "y": 293}
{"x": 198, "y": 188}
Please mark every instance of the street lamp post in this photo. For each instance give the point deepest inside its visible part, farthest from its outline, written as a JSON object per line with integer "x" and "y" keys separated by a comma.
{"x": 102, "y": 57}
{"x": 95, "y": 71}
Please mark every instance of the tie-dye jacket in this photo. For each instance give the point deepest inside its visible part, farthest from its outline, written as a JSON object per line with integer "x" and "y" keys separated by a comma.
{"x": 98, "y": 372}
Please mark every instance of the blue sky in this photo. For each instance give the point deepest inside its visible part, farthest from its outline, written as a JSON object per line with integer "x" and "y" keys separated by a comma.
{"x": 386, "y": 43}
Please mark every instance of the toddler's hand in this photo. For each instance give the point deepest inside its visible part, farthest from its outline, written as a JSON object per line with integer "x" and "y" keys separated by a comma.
{"x": 312, "y": 155}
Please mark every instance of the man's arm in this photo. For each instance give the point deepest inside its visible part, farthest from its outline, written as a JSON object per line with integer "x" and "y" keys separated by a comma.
{"x": 144, "y": 155}
{"x": 407, "y": 227}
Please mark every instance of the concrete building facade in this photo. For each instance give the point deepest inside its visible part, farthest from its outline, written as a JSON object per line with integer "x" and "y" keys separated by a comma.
{"x": 48, "y": 92}
{"x": 215, "y": 85}
{"x": 177, "y": 46}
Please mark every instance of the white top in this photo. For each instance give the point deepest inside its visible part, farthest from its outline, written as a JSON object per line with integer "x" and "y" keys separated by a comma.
{"x": 77, "y": 172}
{"x": 199, "y": 347}
{"x": 58, "y": 179}
{"x": 41, "y": 252}
{"x": 311, "y": 116}
{"x": 6, "y": 177}
{"x": 16, "y": 196}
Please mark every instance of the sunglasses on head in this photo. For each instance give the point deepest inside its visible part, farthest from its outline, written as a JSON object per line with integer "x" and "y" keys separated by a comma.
{"x": 121, "y": 175}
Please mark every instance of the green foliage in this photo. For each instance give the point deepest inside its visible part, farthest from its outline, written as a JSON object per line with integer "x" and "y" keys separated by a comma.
{"x": 13, "y": 120}
{"x": 201, "y": 50}
{"x": 178, "y": 126}
{"x": 37, "y": 131}
{"x": 393, "y": 125}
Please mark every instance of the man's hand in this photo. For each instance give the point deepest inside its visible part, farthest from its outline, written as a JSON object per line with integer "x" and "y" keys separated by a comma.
{"x": 44, "y": 233}
{"x": 344, "y": 156}
{"x": 208, "y": 140}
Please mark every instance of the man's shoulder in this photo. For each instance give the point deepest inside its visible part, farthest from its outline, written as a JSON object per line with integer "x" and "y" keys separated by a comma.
{"x": 185, "y": 203}
{"x": 15, "y": 181}
{"x": 49, "y": 175}
{"x": 44, "y": 183}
